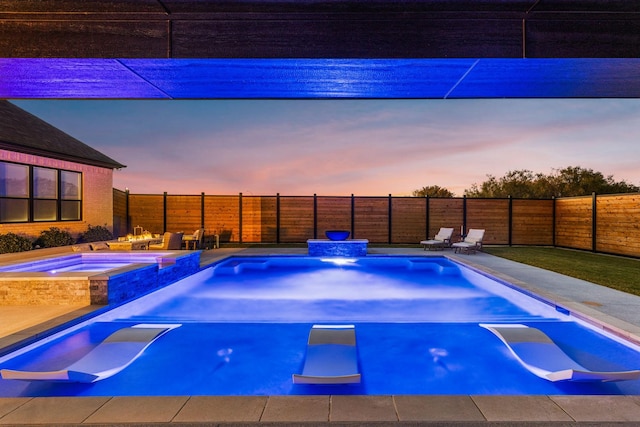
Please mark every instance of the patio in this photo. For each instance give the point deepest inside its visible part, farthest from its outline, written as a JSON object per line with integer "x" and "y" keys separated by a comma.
{"x": 616, "y": 311}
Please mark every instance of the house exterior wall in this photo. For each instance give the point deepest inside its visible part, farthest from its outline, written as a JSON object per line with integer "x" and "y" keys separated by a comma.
{"x": 97, "y": 196}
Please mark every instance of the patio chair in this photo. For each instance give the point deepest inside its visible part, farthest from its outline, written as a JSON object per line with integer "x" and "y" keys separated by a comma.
{"x": 541, "y": 356}
{"x": 111, "y": 356}
{"x": 331, "y": 356}
{"x": 194, "y": 240}
{"x": 170, "y": 241}
{"x": 440, "y": 241}
{"x": 471, "y": 243}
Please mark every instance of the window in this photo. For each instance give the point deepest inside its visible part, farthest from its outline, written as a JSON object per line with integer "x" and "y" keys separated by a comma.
{"x": 70, "y": 206}
{"x": 14, "y": 192}
{"x": 33, "y": 193}
{"x": 45, "y": 194}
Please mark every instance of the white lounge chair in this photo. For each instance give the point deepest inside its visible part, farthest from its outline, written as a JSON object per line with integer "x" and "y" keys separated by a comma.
{"x": 111, "y": 356}
{"x": 440, "y": 240}
{"x": 542, "y": 357}
{"x": 471, "y": 243}
{"x": 331, "y": 356}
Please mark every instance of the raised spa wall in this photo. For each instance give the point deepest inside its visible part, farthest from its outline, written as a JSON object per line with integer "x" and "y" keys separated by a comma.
{"x": 342, "y": 248}
{"x": 112, "y": 287}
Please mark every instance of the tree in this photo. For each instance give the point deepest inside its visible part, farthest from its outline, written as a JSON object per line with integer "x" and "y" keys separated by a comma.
{"x": 432, "y": 191}
{"x": 520, "y": 183}
{"x": 577, "y": 181}
{"x": 569, "y": 181}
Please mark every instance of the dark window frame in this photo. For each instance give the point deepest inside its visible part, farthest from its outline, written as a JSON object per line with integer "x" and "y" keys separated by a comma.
{"x": 60, "y": 199}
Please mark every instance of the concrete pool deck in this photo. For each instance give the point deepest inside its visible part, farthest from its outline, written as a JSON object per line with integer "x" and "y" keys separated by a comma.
{"x": 616, "y": 311}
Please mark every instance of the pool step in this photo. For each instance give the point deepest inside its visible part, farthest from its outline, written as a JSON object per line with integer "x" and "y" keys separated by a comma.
{"x": 234, "y": 267}
{"x": 440, "y": 267}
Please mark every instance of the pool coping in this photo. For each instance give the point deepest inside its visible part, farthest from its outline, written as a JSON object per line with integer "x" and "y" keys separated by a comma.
{"x": 352, "y": 410}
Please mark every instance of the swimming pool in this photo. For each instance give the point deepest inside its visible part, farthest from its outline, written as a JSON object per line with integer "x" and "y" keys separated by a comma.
{"x": 245, "y": 322}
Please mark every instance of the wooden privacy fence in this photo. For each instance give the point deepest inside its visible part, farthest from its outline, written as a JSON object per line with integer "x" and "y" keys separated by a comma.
{"x": 605, "y": 223}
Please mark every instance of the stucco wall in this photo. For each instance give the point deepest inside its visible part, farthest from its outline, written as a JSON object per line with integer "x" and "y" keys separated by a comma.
{"x": 97, "y": 195}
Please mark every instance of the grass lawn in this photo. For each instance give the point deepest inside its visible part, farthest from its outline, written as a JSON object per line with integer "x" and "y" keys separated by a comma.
{"x": 614, "y": 272}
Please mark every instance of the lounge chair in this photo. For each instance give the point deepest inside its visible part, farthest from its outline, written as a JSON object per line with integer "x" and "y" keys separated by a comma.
{"x": 170, "y": 241}
{"x": 440, "y": 241}
{"x": 331, "y": 356}
{"x": 111, "y": 356}
{"x": 471, "y": 243}
{"x": 541, "y": 356}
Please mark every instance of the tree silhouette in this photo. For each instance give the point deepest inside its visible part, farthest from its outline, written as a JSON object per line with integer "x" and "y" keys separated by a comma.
{"x": 432, "y": 191}
{"x": 566, "y": 182}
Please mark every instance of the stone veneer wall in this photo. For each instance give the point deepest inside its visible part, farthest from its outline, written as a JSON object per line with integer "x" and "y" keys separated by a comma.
{"x": 142, "y": 280}
{"x": 356, "y": 247}
{"x": 44, "y": 291}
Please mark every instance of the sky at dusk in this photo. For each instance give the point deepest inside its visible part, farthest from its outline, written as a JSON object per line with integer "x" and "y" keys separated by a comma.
{"x": 343, "y": 147}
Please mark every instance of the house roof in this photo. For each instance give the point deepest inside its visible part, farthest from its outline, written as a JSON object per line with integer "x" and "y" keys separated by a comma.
{"x": 25, "y": 133}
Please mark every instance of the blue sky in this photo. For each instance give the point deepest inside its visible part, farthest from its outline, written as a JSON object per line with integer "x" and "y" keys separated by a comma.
{"x": 343, "y": 147}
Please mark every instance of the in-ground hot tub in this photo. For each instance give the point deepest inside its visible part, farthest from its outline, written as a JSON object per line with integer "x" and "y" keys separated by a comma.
{"x": 92, "y": 278}
{"x": 83, "y": 262}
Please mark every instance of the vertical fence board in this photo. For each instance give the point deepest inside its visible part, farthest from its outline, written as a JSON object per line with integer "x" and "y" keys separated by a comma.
{"x": 183, "y": 213}
{"x": 146, "y": 211}
{"x": 221, "y": 217}
{"x": 532, "y": 222}
{"x": 408, "y": 223}
{"x": 372, "y": 219}
{"x": 334, "y": 213}
{"x": 119, "y": 213}
{"x": 492, "y": 215}
{"x": 573, "y": 222}
{"x": 296, "y": 219}
{"x": 259, "y": 219}
{"x": 446, "y": 213}
{"x": 618, "y": 225}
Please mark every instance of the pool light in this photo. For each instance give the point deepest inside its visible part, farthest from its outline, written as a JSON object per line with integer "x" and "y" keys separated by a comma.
{"x": 339, "y": 261}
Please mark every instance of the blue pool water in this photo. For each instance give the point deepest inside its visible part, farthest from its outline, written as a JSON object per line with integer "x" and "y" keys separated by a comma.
{"x": 245, "y": 324}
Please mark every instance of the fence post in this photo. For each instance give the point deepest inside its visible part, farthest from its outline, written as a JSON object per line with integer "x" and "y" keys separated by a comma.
{"x": 553, "y": 217}
{"x": 127, "y": 218}
{"x": 594, "y": 217}
{"x": 353, "y": 216}
{"x": 240, "y": 218}
{"x": 427, "y": 213}
{"x": 510, "y": 220}
{"x": 164, "y": 212}
{"x": 464, "y": 216}
{"x": 390, "y": 218}
{"x": 202, "y": 210}
{"x": 278, "y": 218}
{"x": 315, "y": 216}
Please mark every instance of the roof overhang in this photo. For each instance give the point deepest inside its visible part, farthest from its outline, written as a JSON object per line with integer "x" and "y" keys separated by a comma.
{"x": 203, "y": 49}
{"x": 319, "y": 78}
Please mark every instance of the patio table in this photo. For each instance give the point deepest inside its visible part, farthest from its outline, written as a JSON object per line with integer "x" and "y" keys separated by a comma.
{"x": 128, "y": 245}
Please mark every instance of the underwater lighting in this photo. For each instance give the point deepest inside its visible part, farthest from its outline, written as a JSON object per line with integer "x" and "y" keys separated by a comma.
{"x": 339, "y": 261}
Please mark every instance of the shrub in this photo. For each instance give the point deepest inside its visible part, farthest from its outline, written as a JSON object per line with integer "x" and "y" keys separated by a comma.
{"x": 12, "y": 242}
{"x": 96, "y": 234}
{"x": 54, "y": 237}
